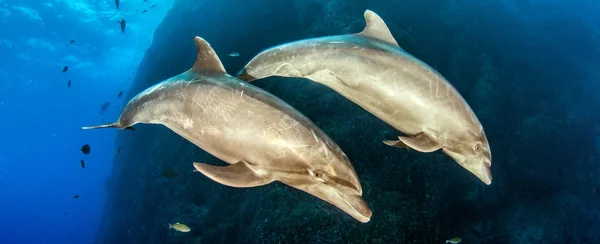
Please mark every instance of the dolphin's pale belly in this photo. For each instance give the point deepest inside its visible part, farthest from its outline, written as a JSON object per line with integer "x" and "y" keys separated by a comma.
{"x": 232, "y": 125}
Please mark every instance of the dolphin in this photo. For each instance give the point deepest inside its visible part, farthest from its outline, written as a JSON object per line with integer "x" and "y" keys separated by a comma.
{"x": 262, "y": 138}
{"x": 371, "y": 70}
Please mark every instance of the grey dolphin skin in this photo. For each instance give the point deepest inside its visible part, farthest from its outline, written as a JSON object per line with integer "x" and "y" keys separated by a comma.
{"x": 371, "y": 70}
{"x": 262, "y": 138}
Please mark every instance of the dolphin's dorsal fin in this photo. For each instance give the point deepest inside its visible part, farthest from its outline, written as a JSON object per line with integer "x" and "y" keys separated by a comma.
{"x": 207, "y": 60}
{"x": 377, "y": 29}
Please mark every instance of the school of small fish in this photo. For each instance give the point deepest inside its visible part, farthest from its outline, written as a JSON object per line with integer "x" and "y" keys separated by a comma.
{"x": 86, "y": 148}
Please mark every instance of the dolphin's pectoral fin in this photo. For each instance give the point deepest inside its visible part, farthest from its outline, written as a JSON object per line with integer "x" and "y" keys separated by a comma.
{"x": 240, "y": 174}
{"x": 420, "y": 142}
{"x": 396, "y": 143}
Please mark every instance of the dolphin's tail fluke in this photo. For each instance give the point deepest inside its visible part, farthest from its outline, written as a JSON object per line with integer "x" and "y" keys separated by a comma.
{"x": 115, "y": 125}
{"x": 111, "y": 125}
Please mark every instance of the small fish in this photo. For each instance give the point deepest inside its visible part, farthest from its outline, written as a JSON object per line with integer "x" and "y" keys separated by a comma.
{"x": 169, "y": 173}
{"x": 454, "y": 240}
{"x": 117, "y": 3}
{"x": 72, "y": 41}
{"x": 65, "y": 69}
{"x": 120, "y": 94}
{"x": 76, "y": 196}
{"x": 85, "y": 149}
{"x": 69, "y": 84}
{"x": 117, "y": 152}
{"x": 234, "y": 54}
{"x": 123, "y": 24}
{"x": 66, "y": 213}
{"x": 152, "y": 6}
{"x": 104, "y": 107}
{"x": 145, "y": 10}
{"x": 144, "y": 1}
{"x": 179, "y": 227}
{"x": 82, "y": 164}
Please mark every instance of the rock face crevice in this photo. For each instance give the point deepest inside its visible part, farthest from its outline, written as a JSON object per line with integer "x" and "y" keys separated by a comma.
{"x": 415, "y": 197}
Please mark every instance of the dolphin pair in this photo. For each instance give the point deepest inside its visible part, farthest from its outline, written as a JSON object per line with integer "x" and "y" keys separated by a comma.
{"x": 371, "y": 70}
{"x": 262, "y": 138}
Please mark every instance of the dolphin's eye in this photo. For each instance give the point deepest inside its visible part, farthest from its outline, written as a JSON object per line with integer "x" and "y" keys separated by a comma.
{"x": 476, "y": 147}
{"x": 319, "y": 175}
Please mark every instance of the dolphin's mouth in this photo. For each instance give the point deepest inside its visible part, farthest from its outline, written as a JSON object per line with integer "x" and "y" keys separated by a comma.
{"x": 321, "y": 185}
{"x": 487, "y": 174}
{"x": 486, "y": 167}
{"x": 356, "y": 203}
{"x": 348, "y": 194}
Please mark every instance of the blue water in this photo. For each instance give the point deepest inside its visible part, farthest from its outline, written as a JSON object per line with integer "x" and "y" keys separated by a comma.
{"x": 41, "y": 118}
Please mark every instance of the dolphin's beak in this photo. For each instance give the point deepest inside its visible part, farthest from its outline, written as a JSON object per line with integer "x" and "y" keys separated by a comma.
{"x": 478, "y": 166}
{"x": 360, "y": 209}
{"x": 353, "y": 204}
{"x": 486, "y": 175}
{"x": 486, "y": 172}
